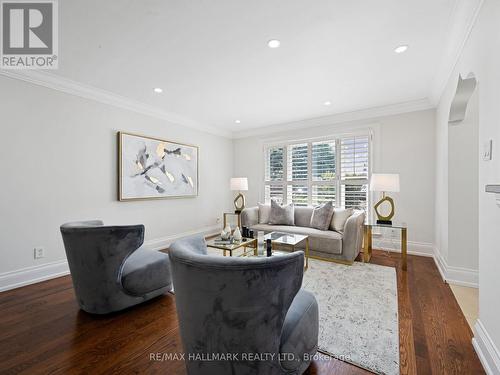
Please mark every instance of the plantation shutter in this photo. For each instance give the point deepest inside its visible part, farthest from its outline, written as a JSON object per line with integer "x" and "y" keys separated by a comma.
{"x": 314, "y": 172}
{"x": 274, "y": 174}
{"x": 323, "y": 172}
{"x": 297, "y": 174}
{"x": 354, "y": 156}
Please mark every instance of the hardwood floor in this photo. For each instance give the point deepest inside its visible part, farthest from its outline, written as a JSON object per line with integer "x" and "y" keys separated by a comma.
{"x": 42, "y": 331}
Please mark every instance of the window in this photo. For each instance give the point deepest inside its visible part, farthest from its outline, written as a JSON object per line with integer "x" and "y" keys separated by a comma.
{"x": 314, "y": 172}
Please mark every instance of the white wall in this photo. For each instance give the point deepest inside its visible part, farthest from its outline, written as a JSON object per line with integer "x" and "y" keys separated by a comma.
{"x": 59, "y": 163}
{"x": 403, "y": 144}
{"x": 463, "y": 181}
{"x": 457, "y": 177}
{"x": 481, "y": 55}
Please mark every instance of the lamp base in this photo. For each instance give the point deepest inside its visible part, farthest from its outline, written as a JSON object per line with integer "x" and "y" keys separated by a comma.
{"x": 381, "y": 219}
{"x": 239, "y": 203}
{"x": 386, "y": 222}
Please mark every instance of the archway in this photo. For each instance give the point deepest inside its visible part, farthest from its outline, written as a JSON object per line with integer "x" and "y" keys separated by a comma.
{"x": 463, "y": 185}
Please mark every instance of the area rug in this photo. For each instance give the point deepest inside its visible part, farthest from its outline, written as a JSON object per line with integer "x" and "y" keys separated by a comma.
{"x": 358, "y": 313}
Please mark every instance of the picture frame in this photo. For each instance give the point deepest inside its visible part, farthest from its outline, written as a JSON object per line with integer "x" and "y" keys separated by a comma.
{"x": 155, "y": 168}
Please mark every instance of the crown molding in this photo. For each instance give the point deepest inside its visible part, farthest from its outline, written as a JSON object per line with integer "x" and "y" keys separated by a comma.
{"x": 58, "y": 83}
{"x": 71, "y": 87}
{"x": 462, "y": 21}
{"x": 340, "y": 118}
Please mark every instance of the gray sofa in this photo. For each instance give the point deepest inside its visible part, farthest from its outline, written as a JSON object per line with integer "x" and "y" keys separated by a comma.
{"x": 341, "y": 246}
{"x": 109, "y": 268}
{"x": 241, "y": 306}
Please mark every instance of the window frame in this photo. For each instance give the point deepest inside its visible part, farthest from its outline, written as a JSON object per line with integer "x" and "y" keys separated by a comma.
{"x": 309, "y": 183}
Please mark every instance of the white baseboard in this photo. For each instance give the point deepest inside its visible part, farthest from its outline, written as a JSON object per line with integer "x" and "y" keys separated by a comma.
{"x": 486, "y": 349}
{"x": 43, "y": 272}
{"x": 164, "y": 242}
{"x": 32, "y": 275}
{"x": 414, "y": 248}
{"x": 456, "y": 275}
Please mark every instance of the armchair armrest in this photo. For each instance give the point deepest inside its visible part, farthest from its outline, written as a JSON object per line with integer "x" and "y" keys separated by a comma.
{"x": 353, "y": 235}
{"x": 250, "y": 216}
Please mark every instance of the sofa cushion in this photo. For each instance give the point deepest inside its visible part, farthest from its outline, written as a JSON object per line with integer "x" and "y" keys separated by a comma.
{"x": 322, "y": 216}
{"x": 340, "y": 216}
{"x": 145, "y": 271}
{"x": 326, "y": 241}
{"x": 300, "y": 330}
{"x": 264, "y": 212}
{"x": 281, "y": 215}
{"x": 303, "y": 216}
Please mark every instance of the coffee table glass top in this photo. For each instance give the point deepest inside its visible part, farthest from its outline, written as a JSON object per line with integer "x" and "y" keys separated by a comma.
{"x": 214, "y": 242}
{"x": 285, "y": 238}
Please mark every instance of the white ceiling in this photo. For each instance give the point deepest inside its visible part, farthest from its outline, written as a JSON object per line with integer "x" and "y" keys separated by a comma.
{"x": 212, "y": 61}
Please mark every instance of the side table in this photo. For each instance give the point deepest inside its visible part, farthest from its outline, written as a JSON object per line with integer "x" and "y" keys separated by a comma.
{"x": 367, "y": 246}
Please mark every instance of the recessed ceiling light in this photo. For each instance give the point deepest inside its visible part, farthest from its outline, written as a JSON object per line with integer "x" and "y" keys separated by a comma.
{"x": 158, "y": 90}
{"x": 327, "y": 103}
{"x": 401, "y": 49}
{"x": 273, "y": 43}
{"x": 237, "y": 121}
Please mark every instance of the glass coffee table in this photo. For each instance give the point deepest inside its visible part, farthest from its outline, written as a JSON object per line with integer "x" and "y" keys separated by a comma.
{"x": 231, "y": 247}
{"x": 288, "y": 241}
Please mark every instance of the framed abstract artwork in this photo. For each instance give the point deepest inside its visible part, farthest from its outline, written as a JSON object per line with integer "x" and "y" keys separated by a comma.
{"x": 154, "y": 168}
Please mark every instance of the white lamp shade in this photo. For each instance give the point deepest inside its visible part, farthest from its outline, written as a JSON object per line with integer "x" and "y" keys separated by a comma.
{"x": 384, "y": 182}
{"x": 239, "y": 183}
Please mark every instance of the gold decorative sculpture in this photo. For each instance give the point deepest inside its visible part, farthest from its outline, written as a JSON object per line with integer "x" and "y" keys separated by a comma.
{"x": 381, "y": 219}
{"x": 384, "y": 182}
{"x": 239, "y": 184}
{"x": 239, "y": 202}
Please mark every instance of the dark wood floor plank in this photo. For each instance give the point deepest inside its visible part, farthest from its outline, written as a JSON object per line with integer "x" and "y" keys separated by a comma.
{"x": 26, "y": 293}
{"x": 43, "y": 331}
{"x": 407, "y": 358}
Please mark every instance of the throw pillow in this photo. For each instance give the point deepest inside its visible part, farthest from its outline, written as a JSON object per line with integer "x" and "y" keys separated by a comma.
{"x": 282, "y": 215}
{"x": 340, "y": 216}
{"x": 264, "y": 212}
{"x": 322, "y": 216}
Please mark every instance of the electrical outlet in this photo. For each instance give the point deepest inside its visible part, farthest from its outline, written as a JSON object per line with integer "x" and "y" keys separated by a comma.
{"x": 39, "y": 252}
{"x": 217, "y": 220}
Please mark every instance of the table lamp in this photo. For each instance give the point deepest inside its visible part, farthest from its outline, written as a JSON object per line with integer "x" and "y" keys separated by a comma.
{"x": 239, "y": 184}
{"x": 384, "y": 182}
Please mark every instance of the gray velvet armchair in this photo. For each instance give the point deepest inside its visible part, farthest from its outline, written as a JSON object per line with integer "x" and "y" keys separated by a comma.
{"x": 110, "y": 269}
{"x": 239, "y": 307}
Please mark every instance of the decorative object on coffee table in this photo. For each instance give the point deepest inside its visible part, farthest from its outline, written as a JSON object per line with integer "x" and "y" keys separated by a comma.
{"x": 154, "y": 168}
{"x": 225, "y": 235}
{"x": 239, "y": 184}
{"x": 237, "y": 234}
{"x": 384, "y": 182}
{"x": 269, "y": 247}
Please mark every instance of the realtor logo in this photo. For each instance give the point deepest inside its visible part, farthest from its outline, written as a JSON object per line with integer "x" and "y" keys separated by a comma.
{"x": 29, "y": 35}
